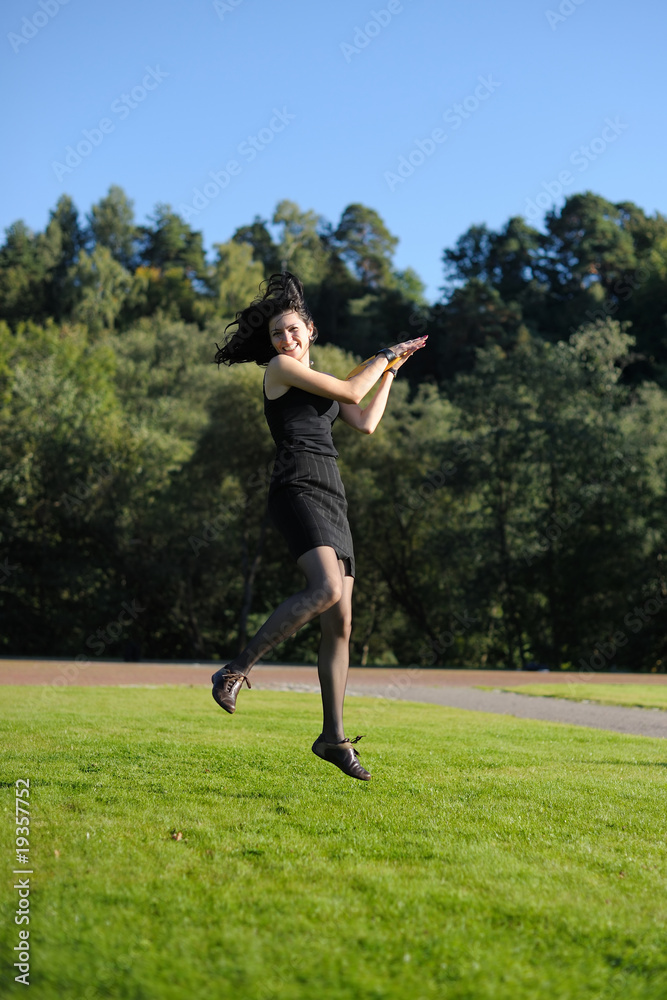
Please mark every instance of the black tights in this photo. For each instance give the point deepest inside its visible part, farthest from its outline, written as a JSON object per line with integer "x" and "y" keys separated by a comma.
{"x": 328, "y": 594}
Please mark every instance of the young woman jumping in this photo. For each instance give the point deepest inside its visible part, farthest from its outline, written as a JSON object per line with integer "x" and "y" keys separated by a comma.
{"x": 306, "y": 496}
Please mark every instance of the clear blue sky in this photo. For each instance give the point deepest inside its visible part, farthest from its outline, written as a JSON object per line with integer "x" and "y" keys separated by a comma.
{"x": 550, "y": 89}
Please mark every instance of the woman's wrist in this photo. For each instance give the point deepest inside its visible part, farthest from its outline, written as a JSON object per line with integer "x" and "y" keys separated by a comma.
{"x": 387, "y": 353}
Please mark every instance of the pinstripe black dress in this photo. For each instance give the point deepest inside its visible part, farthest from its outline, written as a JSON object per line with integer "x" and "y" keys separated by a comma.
{"x": 307, "y": 501}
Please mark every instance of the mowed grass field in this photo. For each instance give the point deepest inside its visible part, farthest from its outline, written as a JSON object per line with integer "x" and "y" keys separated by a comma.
{"x": 631, "y": 695}
{"x": 489, "y": 857}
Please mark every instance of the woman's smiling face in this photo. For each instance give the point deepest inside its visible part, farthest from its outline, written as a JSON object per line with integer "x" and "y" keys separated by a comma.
{"x": 290, "y": 335}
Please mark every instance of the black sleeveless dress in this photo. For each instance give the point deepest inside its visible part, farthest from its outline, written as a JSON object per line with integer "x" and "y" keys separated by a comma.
{"x": 307, "y": 501}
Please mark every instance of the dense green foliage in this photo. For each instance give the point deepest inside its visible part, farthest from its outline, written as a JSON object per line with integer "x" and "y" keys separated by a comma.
{"x": 510, "y": 507}
{"x": 178, "y": 853}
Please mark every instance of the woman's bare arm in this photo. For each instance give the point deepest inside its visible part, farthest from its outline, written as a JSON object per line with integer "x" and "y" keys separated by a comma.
{"x": 366, "y": 420}
{"x": 282, "y": 370}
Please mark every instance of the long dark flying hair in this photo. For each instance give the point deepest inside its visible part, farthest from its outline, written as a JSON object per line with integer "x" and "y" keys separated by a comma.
{"x": 250, "y": 340}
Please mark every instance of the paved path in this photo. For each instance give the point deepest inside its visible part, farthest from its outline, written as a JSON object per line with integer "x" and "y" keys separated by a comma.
{"x": 639, "y": 721}
{"x": 440, "y": 687}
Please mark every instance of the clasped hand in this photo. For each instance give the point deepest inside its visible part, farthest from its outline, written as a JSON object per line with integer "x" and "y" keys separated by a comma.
{"x": 406, "y": 349}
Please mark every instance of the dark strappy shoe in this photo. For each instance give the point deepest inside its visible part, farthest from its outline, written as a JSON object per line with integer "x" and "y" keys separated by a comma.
{"x": 226, "y": 686}
{"x": 342, "y": 755}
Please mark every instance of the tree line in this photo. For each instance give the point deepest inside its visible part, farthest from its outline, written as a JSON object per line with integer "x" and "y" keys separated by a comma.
{"x": 509, "y": 510}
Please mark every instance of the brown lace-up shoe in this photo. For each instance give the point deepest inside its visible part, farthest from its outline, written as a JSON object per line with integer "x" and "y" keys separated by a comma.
{"x": 226, "y": 686}
{"x": 342, "y": 755}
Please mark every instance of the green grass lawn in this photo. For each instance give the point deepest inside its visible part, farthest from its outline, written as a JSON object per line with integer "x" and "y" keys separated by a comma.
{"x": 489, "y": 857}
{"x": 634, "y": 695}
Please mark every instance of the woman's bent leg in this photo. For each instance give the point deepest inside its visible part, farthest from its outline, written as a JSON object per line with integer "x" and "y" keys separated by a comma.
{"x": 321, "y": 569}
